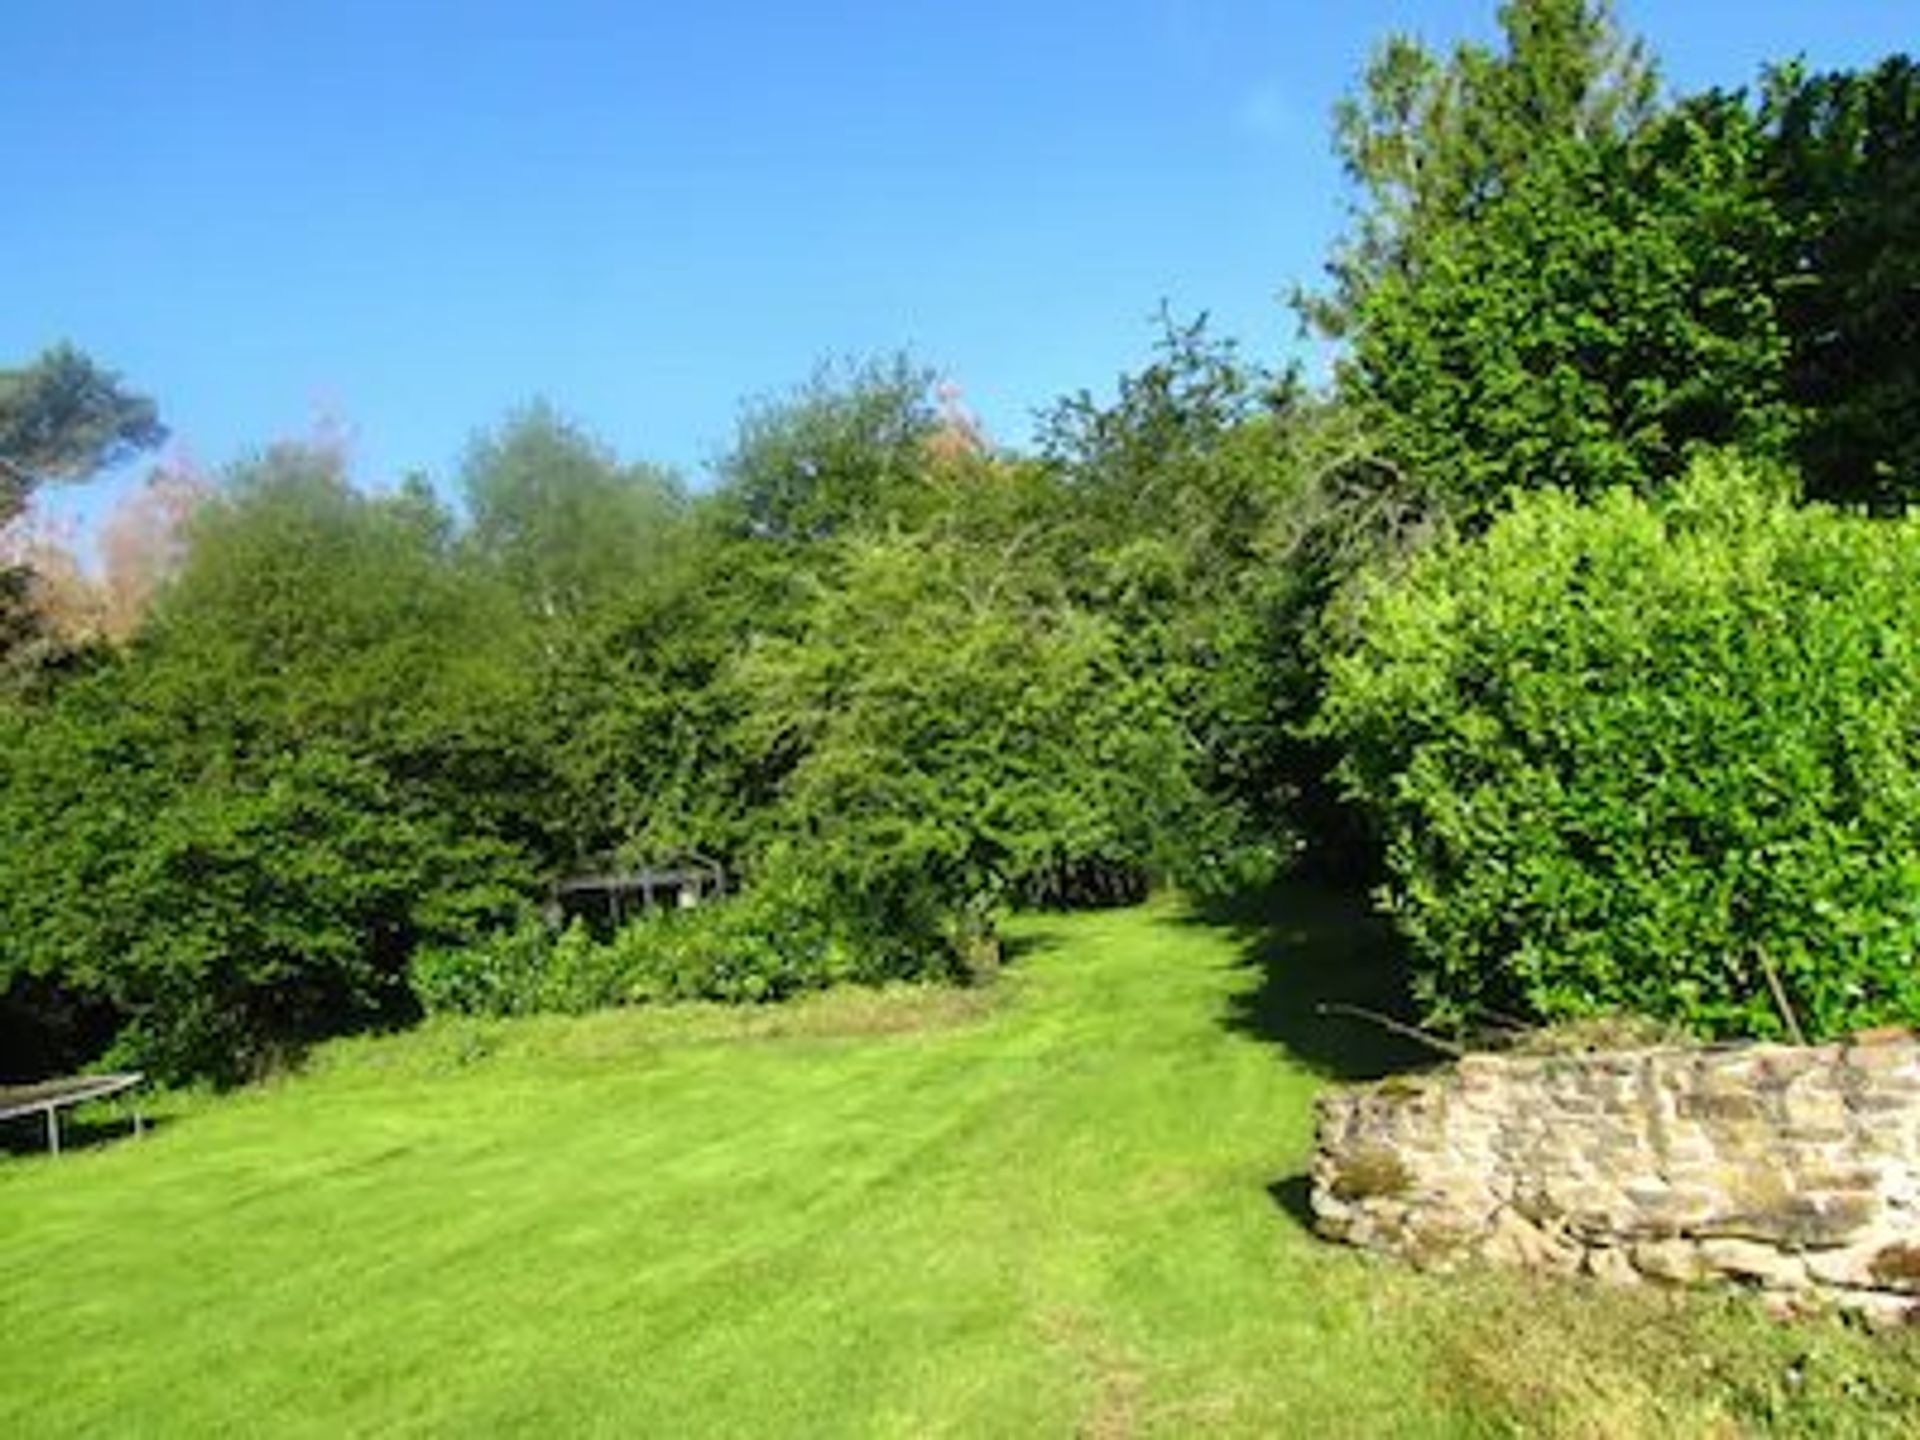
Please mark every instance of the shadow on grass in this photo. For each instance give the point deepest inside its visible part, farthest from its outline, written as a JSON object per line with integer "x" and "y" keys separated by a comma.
{"x": 1293, "y": 1197}
{"x": 88, "y": 1129}
{"x": 1312, "y": 946}
{"x": 1035, "y": 938}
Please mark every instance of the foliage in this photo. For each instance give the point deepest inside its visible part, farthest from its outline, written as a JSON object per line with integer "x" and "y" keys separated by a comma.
{"x": 1429, "y": 143}
{"x": 1552, "y": 280}
{"x": 229, "y": 915}
{"x": 958, "y": 730}
{"x": 64, "y": 418}
{"x": 558, "y": 518}
{"x": 1843, "y": 162}
{"x": 635, "y": 712}
{"x": 1650, "y": 757}
{"x": 846, "y": 448}
{"x": 1603, "y": 315}
{"x": 1172, "y": 501}
{"x": 309, "y": 611}
{"x": 236, "y": 832}
{"x": 786, "y": 935}
{"x": 515, "y": 970}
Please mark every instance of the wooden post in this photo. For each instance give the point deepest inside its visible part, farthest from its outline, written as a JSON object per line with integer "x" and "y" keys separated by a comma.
{"x": 53, "y": 1129}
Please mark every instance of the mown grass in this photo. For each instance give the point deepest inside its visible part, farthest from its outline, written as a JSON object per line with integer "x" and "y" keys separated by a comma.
{"x": 1067, "y": 1205}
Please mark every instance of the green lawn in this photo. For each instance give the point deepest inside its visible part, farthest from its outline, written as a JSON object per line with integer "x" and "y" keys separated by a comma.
{"x": 1065, "y": 1205}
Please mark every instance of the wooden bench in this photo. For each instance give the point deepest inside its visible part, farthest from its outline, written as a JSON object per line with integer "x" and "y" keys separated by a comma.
{"x": 51, "y": 1096}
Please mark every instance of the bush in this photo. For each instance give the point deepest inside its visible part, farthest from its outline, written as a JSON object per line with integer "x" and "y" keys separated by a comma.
{"x": 501, "y": 974}
{"x": 224, "y": 920}
{"x": 1629, "y": 755}
{"x": 790, "y": 932}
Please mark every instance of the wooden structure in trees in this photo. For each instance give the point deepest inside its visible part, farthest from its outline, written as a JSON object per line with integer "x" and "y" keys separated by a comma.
{"x": 609, "y": 895}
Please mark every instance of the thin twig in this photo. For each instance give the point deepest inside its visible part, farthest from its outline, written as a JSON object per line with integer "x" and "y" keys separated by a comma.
{"x": 1780, "y": 996}
{"x": 1503, "y": 1021}
{"x": 1387, "y": 1022}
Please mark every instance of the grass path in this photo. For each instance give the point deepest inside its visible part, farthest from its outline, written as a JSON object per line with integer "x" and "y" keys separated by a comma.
{"x": 1054, "y": 1210}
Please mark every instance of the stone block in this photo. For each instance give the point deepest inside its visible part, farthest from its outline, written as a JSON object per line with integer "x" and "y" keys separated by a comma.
{"x": 1828, "y": 1219}
{"x": 1367, "y": 1170}
{"x": 1879, "y": 1311}
{"x": 1479, "y": 1070}
{"x": 1872, "y": 1101}
{"x": 1781, "y": 1065}
{"x": 1710, "y": 1107}
{"x": 1753, "y": 1262}
{"x": 1677, "y": 1208}
{"x": 1885, "y": 1037}
{"x": 1896, "y": 1267}
{"x": 1882, "y": 1060}
{"x": 1611, "y": 1265}
{"x": 1850, "y": 1266}
{"x": 1673, "y": 1262}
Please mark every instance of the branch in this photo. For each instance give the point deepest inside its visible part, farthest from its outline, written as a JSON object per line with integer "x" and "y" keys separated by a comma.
{"x": 1780, "y": 996}
{"x": 1399, "y": 1027}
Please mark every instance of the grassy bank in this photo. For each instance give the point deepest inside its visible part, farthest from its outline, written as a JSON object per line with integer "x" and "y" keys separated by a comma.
{"x": 1069, "y": 1205}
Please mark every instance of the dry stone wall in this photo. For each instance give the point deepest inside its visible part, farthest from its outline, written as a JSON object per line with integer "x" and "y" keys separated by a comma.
{"x": 1794, "y": 1170}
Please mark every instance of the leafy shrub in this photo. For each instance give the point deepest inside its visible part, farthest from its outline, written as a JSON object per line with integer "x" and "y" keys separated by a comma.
{"x": 224, "y": 919}
{"x": 790, "y": 932}
{"x": 1653, "y": 757}
{"x": 500, "y": 974}
{"x": 230, "y": 836}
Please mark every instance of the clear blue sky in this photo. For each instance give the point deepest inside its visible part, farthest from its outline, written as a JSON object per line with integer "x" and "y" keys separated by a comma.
{"x": 409, "y": 216}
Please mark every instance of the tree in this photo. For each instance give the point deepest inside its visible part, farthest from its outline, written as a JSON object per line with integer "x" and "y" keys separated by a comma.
{"x": 1607, "y": 312}
{"x": 1843, "y": 167}
{"x": 143, "y": 544}
{"x": 62, "y": 417}
{"x": 1429, "y": 143}
{"x": 847, "y": 448}
{"x": 318, "y": 754}
{"x": 558, "y": 518}
{"x": 1171, "y": 497}
{"x": 956, "y": 735}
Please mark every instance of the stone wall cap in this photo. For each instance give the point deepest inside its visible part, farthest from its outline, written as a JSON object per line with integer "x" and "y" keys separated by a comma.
{"x": 1881, "y": 1035}
{"x": 1485, "y": 1064}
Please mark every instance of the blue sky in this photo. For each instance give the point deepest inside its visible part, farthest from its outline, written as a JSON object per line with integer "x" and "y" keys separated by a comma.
{"x": 406, "y": 217}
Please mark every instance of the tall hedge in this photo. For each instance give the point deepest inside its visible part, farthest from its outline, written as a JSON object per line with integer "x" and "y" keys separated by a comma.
{"x": 1650, "y": 756}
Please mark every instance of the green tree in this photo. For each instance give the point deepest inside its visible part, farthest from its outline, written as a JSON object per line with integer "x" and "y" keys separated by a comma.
{"x": 1843, "y": 167}
{"x": 956, "y": 735}
{"x": 1428, "y": 142}
{"x": 314, "y": 757}
{"x": 62, "y": 417}
{"x": 1171, "y": 498}
{"x": 641, "y": 724}
{"x": 1609, "y": 310}
{"x": 847, "y": 448}
{"x": 563, "y": 522}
